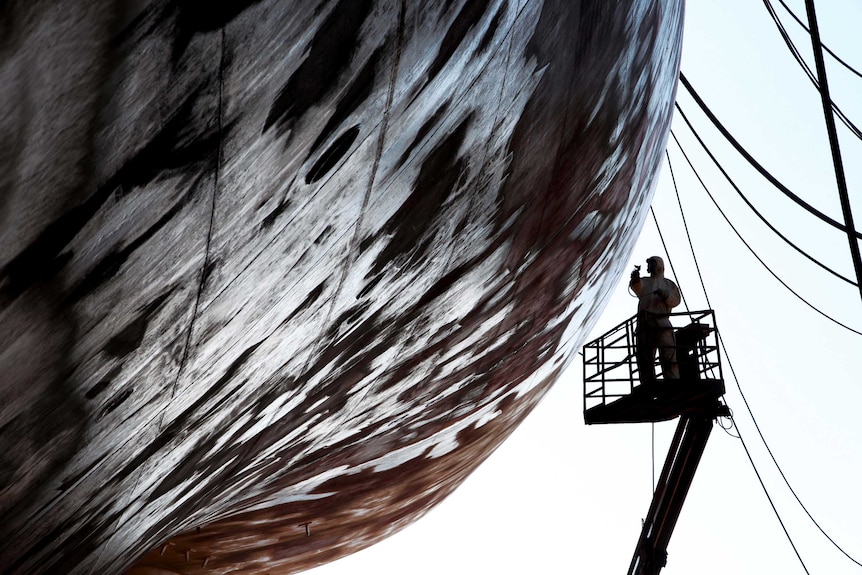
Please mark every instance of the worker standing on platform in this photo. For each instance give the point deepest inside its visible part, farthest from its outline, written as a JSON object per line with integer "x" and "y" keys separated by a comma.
{"x": 657, "y": 295}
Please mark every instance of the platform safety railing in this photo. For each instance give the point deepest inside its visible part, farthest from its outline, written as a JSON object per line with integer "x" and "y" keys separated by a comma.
{"x": 610, "y": 364}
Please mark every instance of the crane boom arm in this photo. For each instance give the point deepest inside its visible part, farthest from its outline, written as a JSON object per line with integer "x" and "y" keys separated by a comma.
{"x": 682, "y": 460}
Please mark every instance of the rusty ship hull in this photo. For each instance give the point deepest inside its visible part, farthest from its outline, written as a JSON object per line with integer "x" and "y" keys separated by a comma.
{"x": 277, "y": 275}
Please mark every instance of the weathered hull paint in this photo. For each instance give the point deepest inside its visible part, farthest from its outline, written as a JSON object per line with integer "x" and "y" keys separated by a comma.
{"x": 269, "y": 263}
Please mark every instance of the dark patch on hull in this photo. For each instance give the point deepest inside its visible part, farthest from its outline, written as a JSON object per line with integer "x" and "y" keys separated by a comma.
{"x": 53, "y": 426}
{"x": 111, "y": 264}
{"x": 172, "y": 148}
{"x": 469, "y": 15}
{"x": 128, "y": 339}
{"x": 103, "y": 383}
{"x": 353, "y": 97}
{"x": 332, "y": 155}
{"x": 424, "y": 130}
{"x": 369, "y": 286}
{"x": 115, "y": 402}
{"x": 436, "y": 181}
{"x": 309, "y": 300}
{"x": 273, "y": 215}
{"x": 196, "y": 16}
{"x": 348, "y": 317}
{"x": 194, "y": 463}
{"x": 492, "y": 28}
{"x": 330, "y": 53}
{"x": 131, "y": 336}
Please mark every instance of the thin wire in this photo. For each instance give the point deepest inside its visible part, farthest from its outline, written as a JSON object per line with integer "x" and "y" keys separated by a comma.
{"x": 772, "y": 456}
{"x": 669, "y": 262}
{"x": 754, "y": 253}
{"x": 742, "y": 394}
{"x": 825, "y": 47}
{"x": 763, "y": 171}
{"x": 652, "y": 424}
{"x": 771, "y": 503}
{"x": 685, "y": 225}
{"x": 727, "y": 429}
{"x": 751, "y": 206}
{"x": 804, "y": 65}
{"x": 834, "y": 145}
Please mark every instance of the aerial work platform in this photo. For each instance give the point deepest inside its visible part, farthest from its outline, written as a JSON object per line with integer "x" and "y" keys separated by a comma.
{"x": 615, "y": 392}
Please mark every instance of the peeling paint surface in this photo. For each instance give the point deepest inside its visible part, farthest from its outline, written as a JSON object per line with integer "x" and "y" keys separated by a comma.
{"x": 276, "y": 276}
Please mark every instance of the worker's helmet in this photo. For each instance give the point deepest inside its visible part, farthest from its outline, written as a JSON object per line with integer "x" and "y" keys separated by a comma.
{"x": 655, "y": 265}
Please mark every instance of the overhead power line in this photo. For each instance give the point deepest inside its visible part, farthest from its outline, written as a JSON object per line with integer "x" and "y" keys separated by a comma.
{"x": 733, "y": 372}
{"x": 744, "y": 399}
{"x": 805, "y": 68}
{"x": 667, "y": 253}
{"x": 755, "y": 210}
{"x": 769, "y": 498}
{"x": 685, "y": 226}
{"x": 756, "y": 165}
{"x": 825, "y": 47}
{"x": 833, "y": 142}
{"x": 753, "y": 252}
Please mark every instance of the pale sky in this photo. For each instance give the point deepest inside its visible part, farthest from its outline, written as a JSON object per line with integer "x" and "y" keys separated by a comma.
{"x": 560, "y": 497}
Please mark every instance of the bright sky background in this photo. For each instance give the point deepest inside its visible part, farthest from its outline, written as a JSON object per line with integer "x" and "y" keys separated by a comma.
{"x": 560, "y": 497}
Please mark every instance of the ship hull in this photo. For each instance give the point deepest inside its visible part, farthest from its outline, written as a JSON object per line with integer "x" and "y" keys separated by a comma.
{"x": 276, "y": 277}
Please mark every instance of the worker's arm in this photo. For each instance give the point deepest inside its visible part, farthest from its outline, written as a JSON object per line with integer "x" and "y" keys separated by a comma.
{"x": 670, "y": 294}
{"x": 635, "y": 282}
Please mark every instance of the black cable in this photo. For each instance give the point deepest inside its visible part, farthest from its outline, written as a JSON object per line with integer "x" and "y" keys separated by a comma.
{"x": 666, "y": 253}
{"x": 685, "y": 225}
{"x": 789, "y": 43}
{"x": 751, "y": 206}
{"x": 742, "y": 395}
{"x": 774, "y": 510}
{"x": 825, "y": 47}
{"x": 833, "y": 142}
{"x": 727, "y": 429}
{"x": 763, "y": 171}
{"x": 738, "y": 235}
{"x": 775, "y": 461}
{"x": 804, "y": 65}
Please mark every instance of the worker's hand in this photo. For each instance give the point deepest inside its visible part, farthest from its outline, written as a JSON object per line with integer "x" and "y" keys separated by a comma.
{"x": 636, "y": 276}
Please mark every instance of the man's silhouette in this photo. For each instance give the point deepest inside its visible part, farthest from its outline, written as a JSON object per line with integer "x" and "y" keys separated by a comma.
{"x": 657, "y": 295}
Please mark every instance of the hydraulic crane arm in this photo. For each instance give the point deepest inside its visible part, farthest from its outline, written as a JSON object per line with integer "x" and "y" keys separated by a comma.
{"x": 694, "y": 397}
{"x": 682, "y": 460}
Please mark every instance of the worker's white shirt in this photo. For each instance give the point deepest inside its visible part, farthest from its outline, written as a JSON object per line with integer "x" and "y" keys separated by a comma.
{"x": 652, "y": 302}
